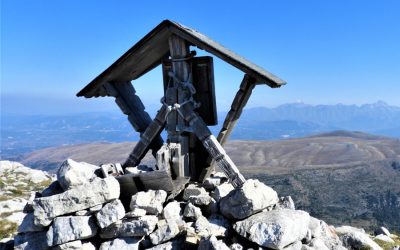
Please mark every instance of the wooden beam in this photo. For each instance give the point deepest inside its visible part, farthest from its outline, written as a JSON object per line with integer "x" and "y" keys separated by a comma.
{"x": 150, "y": 134}
{"x": 176, "y": 126}
{"x": 239, "y": 102}
{"x": 213, "y": 147}
{"x": 131, "y": 105}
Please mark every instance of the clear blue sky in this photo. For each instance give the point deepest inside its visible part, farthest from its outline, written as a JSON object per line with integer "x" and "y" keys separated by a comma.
{"x": 328, "y": 51}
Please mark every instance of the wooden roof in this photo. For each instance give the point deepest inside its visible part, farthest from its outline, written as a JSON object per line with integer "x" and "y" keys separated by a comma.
{"x": 149, "y": 52}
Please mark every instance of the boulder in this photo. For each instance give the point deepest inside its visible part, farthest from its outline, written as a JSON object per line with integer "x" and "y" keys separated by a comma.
{"x": 152, "y": 201}
{"x": 173, "y": 212}
{"x": 212, "y": 243}
{"x": 274, "y": 229}
{"x": 221, "y": 191}
{"x": 315, "y": 227}
{"x": 82, "y": 197}
{"x": 201, "y": 200}
{"x": 72, "y": 173}
{"x": 165, "y": 232}
{"x": 358, "y": 240}
{"x": 247, "y": 200}
{"x": 216, "y": 225}
{"x": 70, "y": 228}
{"x": 72, "y": 245}
{"x": 285, "y": 202}
{"x": 383, "y": 230}
{"x": 28, "y": 225}
{"x": 132, "y": 227}
{"x": 121, "y": 244}
{"x": 31, "y": 241}
{"x": 329, "y": 237}
{"x": 88, "y": 246}
{"x": 384, "y": 237}
{"x": 193, "y": 190}
{"x": 110, "y": 213}
{"x": 192, "y": 212}
{"x": 136, "y": 212}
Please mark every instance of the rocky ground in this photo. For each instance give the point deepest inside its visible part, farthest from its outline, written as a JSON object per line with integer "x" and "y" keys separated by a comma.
{"x": 82, "y": 210}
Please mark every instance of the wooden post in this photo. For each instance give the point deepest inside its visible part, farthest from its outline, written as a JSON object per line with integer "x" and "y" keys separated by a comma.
{"x": 178, "y": 94}
{"x": 238, "y": 103}
{"x": 131, "y": 105}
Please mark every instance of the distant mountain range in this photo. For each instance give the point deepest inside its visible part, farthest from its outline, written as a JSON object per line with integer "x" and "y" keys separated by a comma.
{"x": 22, "y": 134}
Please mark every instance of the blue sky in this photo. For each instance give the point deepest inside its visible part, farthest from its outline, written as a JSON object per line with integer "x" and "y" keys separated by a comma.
{"x": 328, "y": 51}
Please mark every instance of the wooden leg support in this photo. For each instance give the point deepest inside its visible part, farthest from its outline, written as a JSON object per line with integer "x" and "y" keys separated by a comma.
{"x": 213, "y": 147}
{"x": 240, "y": 100}
{"x": 153, "y": 131}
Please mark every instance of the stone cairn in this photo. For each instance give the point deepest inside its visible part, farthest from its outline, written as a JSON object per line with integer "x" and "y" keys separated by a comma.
{"x": 81, "y": 210}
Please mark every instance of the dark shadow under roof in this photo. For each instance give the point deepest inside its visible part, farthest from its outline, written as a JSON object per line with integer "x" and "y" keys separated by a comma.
{"x": 149, "y": 52}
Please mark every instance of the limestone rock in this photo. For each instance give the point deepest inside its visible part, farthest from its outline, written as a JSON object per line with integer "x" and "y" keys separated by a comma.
{"x": 136, "y": 212}
{"x": 69, "y": 228}
{"x": 191, "y": 211}
{"x": 110, "y": 213}
{"x": 383, "y": 230}
{"x": 83, "y": 213}
{"x": 173, "y": 212}
{"x": 384, "y": 237}
{"x": 249, "y": 199}
{"x": 315, "y": 227}
{"x": 28, "y": 225}
{"x": 201, "y": 200}
{"x": 31, "y": 241}
{"x": 274, "y": 229}
{"x": 221, "y": 191}
{"x": 72, "y": 173}
{"x": 212, "y": 243}
{"x": 72, "y": 245}
{"x": 52, "y": 189}
{"x": 170, "y": 245}
{"x": 285, "y": 202}
{"x": 317, "y": 244}
{"x": 358, "y": 240}
{"x": 294, "y": 246}
{"x": 130, "y": 227}
{"x": 152, "y": 201}
{"x": 193, "y": 190}
{"x": 121, "y": 244}
{"x": 82, "y": 197}
{"x": 164, "y": 232}
{"x": 329, "y": 237}
{"x": 348, "y": 229}
{"x": 88, "y": 246}
{"x": 216, "y": 225}
{"x": 236, "y": 246}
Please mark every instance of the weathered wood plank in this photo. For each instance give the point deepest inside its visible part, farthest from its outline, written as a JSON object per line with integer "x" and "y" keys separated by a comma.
{"x": 156, "y": 180}
{"x": 239, "y": 102}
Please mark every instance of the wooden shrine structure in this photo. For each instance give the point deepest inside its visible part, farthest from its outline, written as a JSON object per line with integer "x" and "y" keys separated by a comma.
{"x": 188, "y": 106}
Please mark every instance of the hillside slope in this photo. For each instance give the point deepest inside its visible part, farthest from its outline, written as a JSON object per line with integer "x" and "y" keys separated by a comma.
{"x": 341, "y": 177}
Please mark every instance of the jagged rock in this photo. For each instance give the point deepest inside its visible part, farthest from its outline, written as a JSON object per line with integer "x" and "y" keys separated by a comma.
{"x": 82, "y": 197}
{"x": 72, "y": 173}
{"x": 214, "y": 180}
{"x": 274, "y": 229}
{"x": 316, "y": 244}
{"x": 70, "y": 228}
{"x": 121, "y": 244}
{"x": 285, "y": 202}
{"x": 193, "y": 190}
{"x": 173, "y": 212}
{"x": 110, "y": 213}
{"x": 201, "y": 200}
{"x": 170, "y": 245}
{"x": 72, "y": 245}
{"x": 31, "y": 241}
{"x": 130, "y": 227}
{"x": 315, "y": 227}
{"x": 348, "y": 229}
{"x": 329, "y": 237}
{"x": 28, "y": 225}
{"x": 212, "y": 243}
{"x": 192, "y": 212}
{"x": 294, "y": 246}
{"x": 136, "y": 212}
{"x": 216, "y": 225}
{"x": 384, "y": 237}
{"x": 96, "y": 208}
{"x": 249, "y": 199}
{"x": 164, "y": 232}
{"x": 236, "y": 246}
{"x": 152, "y": 201}
{"x": 383, "y": 230}
{"x": 358, "y": 240}
{"x": 221, "y": 191}
{"x": 53, "y": 189}
{"x": 88, "y": 246}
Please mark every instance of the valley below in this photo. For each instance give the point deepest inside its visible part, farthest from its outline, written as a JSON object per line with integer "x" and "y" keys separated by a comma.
{"x": 341, "y": 177}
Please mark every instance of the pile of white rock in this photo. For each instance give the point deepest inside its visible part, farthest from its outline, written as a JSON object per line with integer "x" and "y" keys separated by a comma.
{"x": 83, "y": 211}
